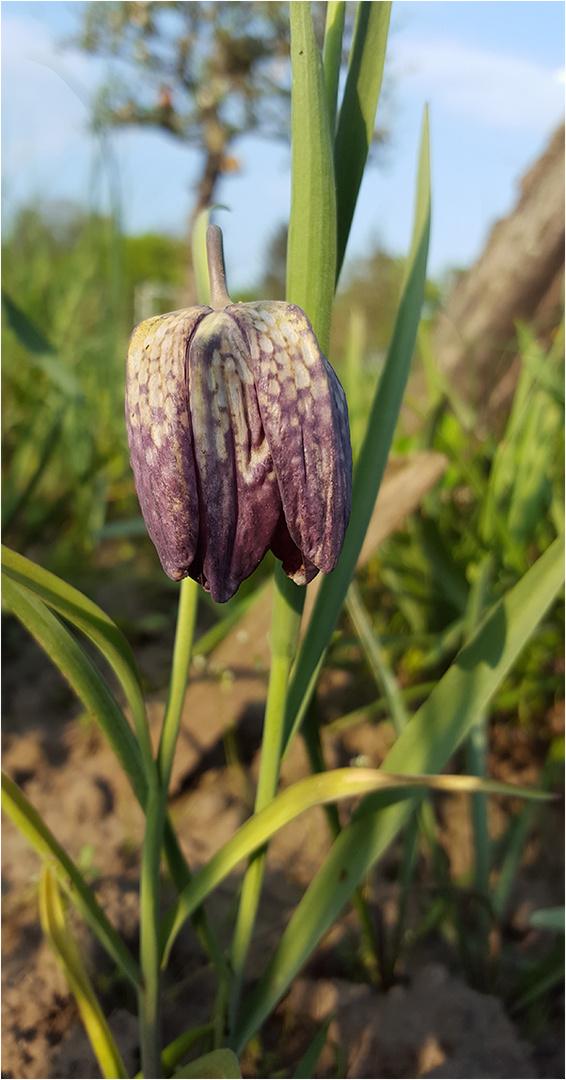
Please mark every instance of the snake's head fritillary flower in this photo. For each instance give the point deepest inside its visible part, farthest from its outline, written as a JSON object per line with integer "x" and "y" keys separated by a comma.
{"x": 239, "y": 439}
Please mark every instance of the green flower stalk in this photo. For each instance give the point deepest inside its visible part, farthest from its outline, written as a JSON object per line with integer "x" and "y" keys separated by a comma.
{"x": 239, "y": 439}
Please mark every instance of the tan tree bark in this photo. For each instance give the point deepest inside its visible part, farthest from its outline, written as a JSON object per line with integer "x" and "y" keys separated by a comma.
{"x": 518, "y": 278}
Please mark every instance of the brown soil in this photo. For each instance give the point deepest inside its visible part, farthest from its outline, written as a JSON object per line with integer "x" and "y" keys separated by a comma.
{"x": 428, "y": 1023}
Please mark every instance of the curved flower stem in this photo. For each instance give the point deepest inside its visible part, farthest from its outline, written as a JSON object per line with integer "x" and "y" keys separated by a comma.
{"x": 182, "y": 652}
{"x": 150, "y": 994}
{"x": 156, "y": 811}
{"x": 219, "y": 298}
{"x": 288, "y": 603}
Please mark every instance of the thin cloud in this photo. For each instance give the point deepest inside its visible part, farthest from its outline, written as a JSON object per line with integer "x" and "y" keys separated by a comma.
{"x": 494, "y": 89}
{"x": 46, "y": 92}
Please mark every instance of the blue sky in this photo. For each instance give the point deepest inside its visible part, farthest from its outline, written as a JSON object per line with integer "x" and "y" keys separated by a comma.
{"x": 491, "y": 72}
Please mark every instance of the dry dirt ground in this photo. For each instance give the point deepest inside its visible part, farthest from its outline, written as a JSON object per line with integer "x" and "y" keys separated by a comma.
{"x": 429, "y": 1023}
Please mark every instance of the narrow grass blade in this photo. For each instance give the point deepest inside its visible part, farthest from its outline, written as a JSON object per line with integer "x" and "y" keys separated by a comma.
{"x": 439, "y": 387}
{"x": 308, "y": 1062}
{"x": 425, "y": 745}
{"x": 78, "y": 609}
{"x": 311, "y": 250}
{"x": 41, "y": 839}
{"x": 354, "y": 380}
{"x": 519, "y": 489}
{"x": 539, "y": 979}
{"x": 447, "y": 576}
{"x": 357, "y": 113}
{"x": 332, "y": 56}
{"x": 211, "y": 638}
{"x": 180, "y": 664}
{"x": 200, "y": 267}
{"x": 316, "y": 790}
{"x": 218, "y": 1065}
{"x": 391, "y": 947}
{"x": 373, "y": 455}
{"x": 516, "y": 840}
{"x": 93, "y": 622}
{"x": 172, "y": 1054}
{"x": 476, "y": 751}
{"x": 17, "y": 503}
{"x": 69, "y": 959}
{"x": 150, "y": 999}
{"x": 25, "y": 330}
{"x": 379, "y": 707}
{"x": 83, "y": 676}
{"x": 381, "y": 671}
{"x": 23, "y": 579}
{"x": 287, "y": 610}
{"x": 551, "y": 919}
{"x": 37, "y": 344}
{"x": 512, "y": 844}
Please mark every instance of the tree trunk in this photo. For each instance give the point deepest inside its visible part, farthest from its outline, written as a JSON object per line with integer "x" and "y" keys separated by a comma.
{"x": 209, "y": 180}
{"x": 216, "y": 143}
{"x": 518, "y": 278}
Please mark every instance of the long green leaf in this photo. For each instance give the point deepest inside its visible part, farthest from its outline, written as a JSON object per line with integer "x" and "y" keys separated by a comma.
{"x": 309, "y": 1061}
{"x": 41, "y": 839}
{"x": 172, "y": 1054}
{"x": 46, "y": 589}
{"x": 551, "y": 919}
{"x": 317, "y": 790}
{"x": 373, "y": 455}
{"x": 83, "y": 676}
{"x": 78, "y": 609}
{"x": 425, "y": 745}
{"x": 218, "y": 1065}
{"x": 25, "y": 330}
{"x": 384, "y": 677}
{"x": 92, "y": 621}
{"x": 200, "y": 266}
{"x": 64, "y": 946}
{"x": 476, "y": 751}
{"x": 332, "y": 56}
{"x": 44, "y": 352}
{"x": 357, "y": 114}
{"x": 15, "y": 505}
{"x": 311, "y": 252}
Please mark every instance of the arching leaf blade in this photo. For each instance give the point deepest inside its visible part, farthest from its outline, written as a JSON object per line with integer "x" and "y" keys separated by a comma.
{"x": 357, "y": 114}
{"x": 432, "y": 735}
{"x": 41, "y": 839}
{"x": 373, "y": 455}
{"x": 85, "y": 679}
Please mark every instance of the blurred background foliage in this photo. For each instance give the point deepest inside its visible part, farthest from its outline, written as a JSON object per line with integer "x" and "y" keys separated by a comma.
{"x": 73, "y": 287}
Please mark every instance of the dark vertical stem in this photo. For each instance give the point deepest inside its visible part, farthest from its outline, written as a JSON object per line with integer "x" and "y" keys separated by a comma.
{"x": 219, "y": 298}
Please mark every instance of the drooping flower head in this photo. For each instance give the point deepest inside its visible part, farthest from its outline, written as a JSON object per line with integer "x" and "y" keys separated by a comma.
{"x": 239, "y": 439}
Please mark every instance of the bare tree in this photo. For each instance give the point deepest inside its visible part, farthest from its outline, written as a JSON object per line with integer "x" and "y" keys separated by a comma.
{"x": 206, "y": 73}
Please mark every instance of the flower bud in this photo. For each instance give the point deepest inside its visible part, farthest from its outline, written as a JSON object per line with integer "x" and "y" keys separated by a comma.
{"x": 239, "y": 439}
